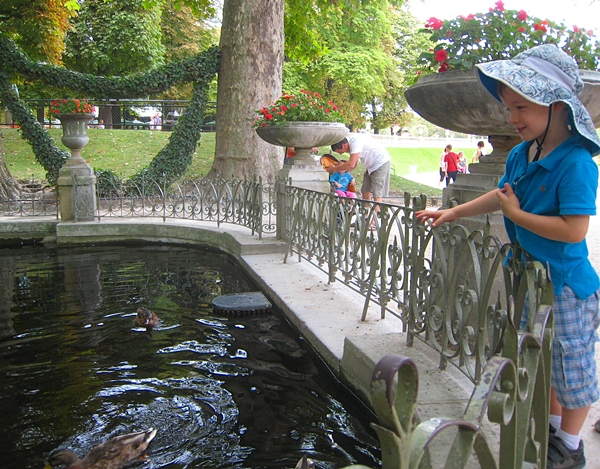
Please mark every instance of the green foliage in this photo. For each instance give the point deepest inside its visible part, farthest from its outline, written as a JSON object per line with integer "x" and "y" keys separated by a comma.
{"x": 46, "y": 152}
{"x": 107, "y": 182}
{"x": 38, "y": 26}
{"x": 500, "y": 34}
{"x": 114, "y": 38}
{"x": 174, "y": 159}
{"x": 302, "y": 106}
{"x": 169, "y": 164}
{"x": 357, "y": 64}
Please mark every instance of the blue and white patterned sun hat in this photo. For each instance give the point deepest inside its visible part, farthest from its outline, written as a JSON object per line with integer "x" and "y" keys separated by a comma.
{"x": 544, "y": 75}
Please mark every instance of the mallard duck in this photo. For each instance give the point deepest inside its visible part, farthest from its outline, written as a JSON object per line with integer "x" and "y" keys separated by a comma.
{"x": 147, "y": 319}
{"x": 114, "y": 454}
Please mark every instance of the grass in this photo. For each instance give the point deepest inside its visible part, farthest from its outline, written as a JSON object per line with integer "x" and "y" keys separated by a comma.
{"x": 127, "y": 151}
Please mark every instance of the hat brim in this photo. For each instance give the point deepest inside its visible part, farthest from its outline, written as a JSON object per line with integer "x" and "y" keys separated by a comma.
{"x": 541, "y": 90}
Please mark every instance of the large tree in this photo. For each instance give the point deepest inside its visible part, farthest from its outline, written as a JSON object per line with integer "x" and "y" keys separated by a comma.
{"x": 249, "y": 77}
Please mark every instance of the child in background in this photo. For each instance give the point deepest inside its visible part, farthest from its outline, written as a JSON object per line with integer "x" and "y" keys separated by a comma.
{"x": 547, "y": 194}
{"x": 341, "y": 180}
{"x": 462, "y": 162}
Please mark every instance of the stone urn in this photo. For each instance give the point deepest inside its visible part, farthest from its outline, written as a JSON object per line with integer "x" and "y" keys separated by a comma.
{"x": 457, "y": 100}
{"x": 304, "y": 171}
{"x": 303, "y": 136}
{"x": 76, "y": 179}
{"x": 75, "y": 130}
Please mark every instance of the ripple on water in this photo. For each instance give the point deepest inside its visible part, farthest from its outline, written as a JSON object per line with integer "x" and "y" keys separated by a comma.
{"x": 195, "y": 418}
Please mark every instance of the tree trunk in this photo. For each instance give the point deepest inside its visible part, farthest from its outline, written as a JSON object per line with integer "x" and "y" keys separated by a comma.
{"x": 9, "y": 187}
{"x": 249, "y": 78}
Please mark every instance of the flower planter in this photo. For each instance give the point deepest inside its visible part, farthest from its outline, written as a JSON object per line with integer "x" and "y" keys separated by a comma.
{"x": 303, "y": 136}
{"x": 457, "y": 100}
{"x": 75, "y": 130}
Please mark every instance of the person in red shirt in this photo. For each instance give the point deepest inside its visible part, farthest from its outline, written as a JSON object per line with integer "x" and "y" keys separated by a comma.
{"x": 451, "y": 160}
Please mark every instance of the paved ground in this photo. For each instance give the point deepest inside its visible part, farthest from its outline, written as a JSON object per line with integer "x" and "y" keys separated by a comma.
{"x": 590, "y": 437}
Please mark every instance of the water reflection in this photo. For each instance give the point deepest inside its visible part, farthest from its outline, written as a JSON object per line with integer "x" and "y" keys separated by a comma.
{"x": 75, "y": 369}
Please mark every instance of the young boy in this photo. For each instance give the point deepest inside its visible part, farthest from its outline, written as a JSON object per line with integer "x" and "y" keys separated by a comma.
{"x": 547, "y": 195}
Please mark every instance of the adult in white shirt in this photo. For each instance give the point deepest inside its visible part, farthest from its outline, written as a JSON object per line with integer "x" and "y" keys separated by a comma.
{"x": 375, "y": 159}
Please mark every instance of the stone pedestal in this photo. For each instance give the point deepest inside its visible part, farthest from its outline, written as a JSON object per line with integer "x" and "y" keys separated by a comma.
{"x": 76, "y": 179}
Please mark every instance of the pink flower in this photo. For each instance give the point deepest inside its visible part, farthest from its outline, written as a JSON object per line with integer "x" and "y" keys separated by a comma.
{"x": 499, "y": 5}
{"x": 522, "y": 15}
{"x": 575, "y": 29}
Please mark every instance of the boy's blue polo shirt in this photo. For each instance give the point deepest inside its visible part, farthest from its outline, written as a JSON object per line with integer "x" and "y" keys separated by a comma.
{"x": 563, "y": 183}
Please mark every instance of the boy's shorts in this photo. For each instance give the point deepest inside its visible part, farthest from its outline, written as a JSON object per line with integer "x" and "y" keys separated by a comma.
{"x": 378, "y": 182}
{"x": 573, "y": 350}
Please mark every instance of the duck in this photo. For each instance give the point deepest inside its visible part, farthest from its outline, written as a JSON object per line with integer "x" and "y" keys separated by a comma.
{"x": 147, "y": 319}
{"x": 113, "y": 454}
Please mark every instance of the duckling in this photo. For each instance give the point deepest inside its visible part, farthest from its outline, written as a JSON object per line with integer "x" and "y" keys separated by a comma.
{"x": 114, "y": 454}
{"x": 147, "y": 319}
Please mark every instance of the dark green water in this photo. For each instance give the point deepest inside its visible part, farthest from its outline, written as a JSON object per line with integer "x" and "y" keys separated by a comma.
{"x": 223, "y": 392}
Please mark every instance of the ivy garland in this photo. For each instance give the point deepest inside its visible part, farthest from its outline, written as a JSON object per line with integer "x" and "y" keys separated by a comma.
{"x": 171, "y": 162}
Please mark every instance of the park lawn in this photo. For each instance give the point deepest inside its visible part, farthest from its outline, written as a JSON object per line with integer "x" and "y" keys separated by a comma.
{"x": 127, "y": 151}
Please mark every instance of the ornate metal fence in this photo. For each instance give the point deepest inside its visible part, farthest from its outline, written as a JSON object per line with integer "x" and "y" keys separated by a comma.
{"x": 30, "y": 200}
{"x": 246, "y": 203}
{"x": 462, "y": 293}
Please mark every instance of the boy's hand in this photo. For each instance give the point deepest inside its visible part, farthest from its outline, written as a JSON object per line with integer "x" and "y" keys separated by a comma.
{"x": 509, "y": 202}
{"x": 438, "y": 216}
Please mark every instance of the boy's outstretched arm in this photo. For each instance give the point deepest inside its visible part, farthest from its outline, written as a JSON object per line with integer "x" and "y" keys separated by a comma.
{"x": 565, "y": 228}
{"x": 486, "y": 203}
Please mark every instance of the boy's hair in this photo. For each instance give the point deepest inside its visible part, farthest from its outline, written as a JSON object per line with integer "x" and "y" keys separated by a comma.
{"x": 448, "y": 147}
{"x": 338, "y": 145}
{"x": 481, "y": 143}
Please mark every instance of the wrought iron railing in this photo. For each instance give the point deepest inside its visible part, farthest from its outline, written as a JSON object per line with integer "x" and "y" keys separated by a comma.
{"x": 449, "y": 287}
{"x": 241, "y": 202}
{"x": 26, "y": 200}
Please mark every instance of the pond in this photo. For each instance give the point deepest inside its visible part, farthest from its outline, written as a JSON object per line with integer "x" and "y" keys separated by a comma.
{"x": 222, "y": 391}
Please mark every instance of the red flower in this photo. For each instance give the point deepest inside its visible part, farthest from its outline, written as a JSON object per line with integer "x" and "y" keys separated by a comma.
{"x": 521, "y": 29}
{"x": 268, "y": 116}
{"x": 294, "y": 104}
{"x": 441, "y": 55}
{"x": 327, "y": 110}
{"x": 522, "y": 15}
{"x": 444, "y": 67}
{"x": 434, "y": 23}
{"x": 470, "y": 17}
{"x": 499, "y": 5}
{"x": 540, "y": 27}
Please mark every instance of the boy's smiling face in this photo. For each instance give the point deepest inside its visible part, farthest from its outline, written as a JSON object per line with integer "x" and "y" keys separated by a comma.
{"x": 529, "y": 119}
